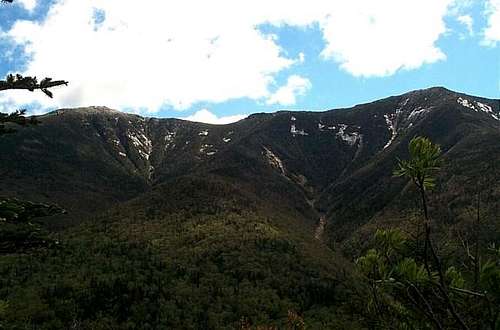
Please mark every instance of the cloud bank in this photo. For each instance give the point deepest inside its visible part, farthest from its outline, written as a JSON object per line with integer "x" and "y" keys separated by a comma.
{"x": 205, "y": 116}
{"x": 146, "y": 56}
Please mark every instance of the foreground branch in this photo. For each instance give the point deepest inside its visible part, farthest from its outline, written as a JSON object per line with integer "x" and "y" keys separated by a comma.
{"x": 30, "y": 83}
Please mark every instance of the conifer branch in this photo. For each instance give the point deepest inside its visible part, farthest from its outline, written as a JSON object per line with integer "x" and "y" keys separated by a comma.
{"x": 30, "y": 83}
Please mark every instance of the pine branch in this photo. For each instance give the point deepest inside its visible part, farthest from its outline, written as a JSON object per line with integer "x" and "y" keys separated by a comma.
{"x": 18, "y": 118}
{"x": 30, "y": 83}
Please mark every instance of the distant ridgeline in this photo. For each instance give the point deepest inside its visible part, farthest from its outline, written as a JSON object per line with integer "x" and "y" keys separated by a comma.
{"x": 177, "y": 224}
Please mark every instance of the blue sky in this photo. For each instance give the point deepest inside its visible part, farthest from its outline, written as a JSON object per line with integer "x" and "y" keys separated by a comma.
{"x": 218, "y": 61}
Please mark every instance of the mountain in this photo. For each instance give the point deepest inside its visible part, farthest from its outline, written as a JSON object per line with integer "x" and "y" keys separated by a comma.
{"x": 216, "y": 202}
{"x": 335, "y": 163}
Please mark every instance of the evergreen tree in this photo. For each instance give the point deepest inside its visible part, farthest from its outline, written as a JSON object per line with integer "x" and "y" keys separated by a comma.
{"x": 17, "y": 228}
{"x": 421, "y": 290}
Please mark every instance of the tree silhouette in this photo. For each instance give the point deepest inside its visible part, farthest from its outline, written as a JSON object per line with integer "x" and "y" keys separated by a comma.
{"x": 29, "y": 83}
{"x": 424, "y": 161}
{"x": 17, "y": 117}
{"x": 422, "y": 289}
{"x": 18, "y": 230}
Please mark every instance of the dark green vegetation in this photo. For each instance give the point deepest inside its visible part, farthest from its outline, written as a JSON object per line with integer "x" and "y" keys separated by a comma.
{"x": 409, "y": 280}
{"x": 173, "y": 224}
{"x": 20, "y": 231}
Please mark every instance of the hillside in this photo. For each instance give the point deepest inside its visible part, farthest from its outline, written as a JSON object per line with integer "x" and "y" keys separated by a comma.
{"x": 191, "y": 225}
{"x": 338, "y": 163}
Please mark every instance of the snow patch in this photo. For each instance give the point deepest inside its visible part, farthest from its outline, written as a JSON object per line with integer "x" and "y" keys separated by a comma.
{"x": 169, "y": 138}
{"x": 417, "y": 112}
{"x": 478, "y": 107}
{"x": 151, "y": 171}
{"x": 391, "y": 127}
{"x": 205, "y": 147}
{"x": 142, "y": 143}
{"x": 295, "y": 131}
{"x": 466, "y": 103}
{"x": 226, "y": 140}
{"x": 274, "y": 161}
{"x": 135, "y": 141}
{"x": 203, "y": 133}
{"x": 143, "y": 154}
{"x": 350, "y": 138}
{"x": 486, "y": 108}
{"x": 122, "y": 154}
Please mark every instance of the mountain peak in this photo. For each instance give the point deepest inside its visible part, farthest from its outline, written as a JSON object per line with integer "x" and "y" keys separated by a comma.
{"x": 88, "y": 110}
{"x": 434, "y": 93}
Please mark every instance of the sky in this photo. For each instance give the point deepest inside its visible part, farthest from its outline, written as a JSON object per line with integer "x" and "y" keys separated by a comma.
{"x": 218, "y": 61}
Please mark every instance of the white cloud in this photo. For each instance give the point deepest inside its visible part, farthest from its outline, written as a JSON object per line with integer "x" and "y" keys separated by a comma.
{"x": 178, "y": 53}
{"x": 148, "y": 55}
{"x": 28, "y": 4}
{"x": 205, "y": 116}
{"x": 467, "y": 21}
{"x": 287, "y": 95}
{"x": 378, "y": 38}
{"x": 492, "y": 31}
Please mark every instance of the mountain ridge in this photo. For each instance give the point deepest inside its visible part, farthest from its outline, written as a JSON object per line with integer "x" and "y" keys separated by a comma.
{"x": 438, "y": 89}
{"x": 313, "y": 156}
{"x": 184, "y": 225}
